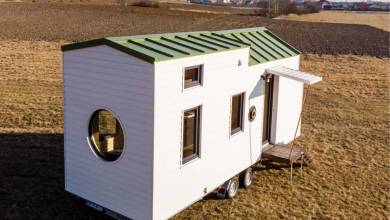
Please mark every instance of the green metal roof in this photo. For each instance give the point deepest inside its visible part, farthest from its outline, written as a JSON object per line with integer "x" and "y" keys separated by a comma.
{"x": 264, "y": 45}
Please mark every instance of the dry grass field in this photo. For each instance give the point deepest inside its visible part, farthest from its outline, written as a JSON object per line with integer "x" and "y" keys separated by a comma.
{"x": 345, "y": 128}
{"x": 379, "y": 20}
{"x": 345, "y": 122}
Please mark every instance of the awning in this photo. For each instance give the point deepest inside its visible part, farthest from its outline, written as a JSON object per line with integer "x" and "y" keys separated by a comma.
{"x": 297, "y": 75}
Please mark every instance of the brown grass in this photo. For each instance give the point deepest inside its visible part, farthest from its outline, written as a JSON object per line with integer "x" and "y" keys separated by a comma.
{"x": 30, "y": 87}
{"x": 379, "y": 20}
{"x": 345, "y": 127}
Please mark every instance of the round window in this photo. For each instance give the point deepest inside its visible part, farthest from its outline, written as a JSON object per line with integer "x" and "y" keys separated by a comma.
{"x": 252, "y": 113}
{"x": 106, "y": 135}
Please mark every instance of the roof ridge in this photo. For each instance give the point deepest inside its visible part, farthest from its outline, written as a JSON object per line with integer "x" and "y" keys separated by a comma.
{"x": 122, "y": 38}
{"x": 241, "y": 30}
{"x": 132, "y": 37}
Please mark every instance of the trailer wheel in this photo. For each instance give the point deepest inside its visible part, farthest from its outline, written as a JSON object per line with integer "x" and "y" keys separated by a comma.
{"x": 232, "y": 189}
{"x": 246, "y": 178}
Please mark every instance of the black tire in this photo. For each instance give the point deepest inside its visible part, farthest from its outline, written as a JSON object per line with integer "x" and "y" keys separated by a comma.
{"x": 246, "y": 178}
{"x": 232, "y": 189}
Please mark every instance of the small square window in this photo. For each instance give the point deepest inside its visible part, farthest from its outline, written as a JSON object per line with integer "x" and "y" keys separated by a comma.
{"x": 192, "y": 76}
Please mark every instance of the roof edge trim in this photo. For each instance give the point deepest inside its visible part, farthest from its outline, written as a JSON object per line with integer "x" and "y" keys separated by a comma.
{"x": 240, "y": 30}
{"x": 84, "y": 44}
{"x": 105, "y": 41}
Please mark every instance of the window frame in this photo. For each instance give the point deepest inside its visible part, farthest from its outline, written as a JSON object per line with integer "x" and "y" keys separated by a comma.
{"x": 91, "y": 140}
{"x": 199, "y": 82}
{"x": 240, "y": 128}
{"x": 185, "y": 160}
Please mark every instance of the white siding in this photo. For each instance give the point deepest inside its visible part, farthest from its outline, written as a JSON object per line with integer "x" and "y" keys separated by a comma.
{"x": 287, "y": 100}
{"x": 222, "y": 156}
{"x": 102, "y": 77}
{"x": 287, "y": 108}
{"x": 149, "y": 181}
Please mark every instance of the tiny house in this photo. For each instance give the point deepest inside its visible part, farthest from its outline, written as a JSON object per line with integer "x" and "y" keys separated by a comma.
{"x": 153, "y": 123}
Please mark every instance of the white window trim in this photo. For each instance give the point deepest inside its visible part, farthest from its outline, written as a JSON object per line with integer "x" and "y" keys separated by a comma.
{"x": 195, "y": 84}
{"x": 241, "y": 129}
{"x": 198, "y": 155}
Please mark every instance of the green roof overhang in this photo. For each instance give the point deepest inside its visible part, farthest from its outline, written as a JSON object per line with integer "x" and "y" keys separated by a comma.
{"x": 264, "y": 45}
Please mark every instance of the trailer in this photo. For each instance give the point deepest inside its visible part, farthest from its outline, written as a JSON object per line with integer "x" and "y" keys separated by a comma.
{"x": 153, "y": 123}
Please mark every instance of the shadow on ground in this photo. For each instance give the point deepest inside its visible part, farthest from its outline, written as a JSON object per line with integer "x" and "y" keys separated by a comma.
{"x": 32, "y": 180}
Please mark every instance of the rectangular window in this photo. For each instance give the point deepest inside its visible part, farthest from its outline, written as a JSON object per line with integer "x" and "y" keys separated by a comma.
{"x": 191, "y": 131}
{"x": 237, "y": 111}
{"x": 192, "y": 76}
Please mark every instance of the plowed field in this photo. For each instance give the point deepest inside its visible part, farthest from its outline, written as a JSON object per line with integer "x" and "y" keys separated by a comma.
{"x": 73, "y": 22}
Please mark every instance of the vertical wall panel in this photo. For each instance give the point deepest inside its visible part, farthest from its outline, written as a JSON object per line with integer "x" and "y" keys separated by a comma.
{"x": 102, "y": 77}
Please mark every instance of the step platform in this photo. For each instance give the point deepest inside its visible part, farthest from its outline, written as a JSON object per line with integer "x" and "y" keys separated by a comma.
{"x": 280, "y": 153}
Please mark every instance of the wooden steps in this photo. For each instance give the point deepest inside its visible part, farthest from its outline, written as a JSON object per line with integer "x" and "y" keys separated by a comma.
{"x": 281, "y": 153}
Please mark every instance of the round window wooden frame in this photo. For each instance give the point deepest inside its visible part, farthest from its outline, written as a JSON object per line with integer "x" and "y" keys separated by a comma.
{"x": 252, "y": 113}
{"x": 95, "y": 148}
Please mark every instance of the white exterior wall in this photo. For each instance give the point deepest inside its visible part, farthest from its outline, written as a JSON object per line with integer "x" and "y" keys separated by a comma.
{"x": 102, "y": 77}
{"x": 287, "y": 102}
{"x": 222, "y": 156}
{"x": 149, "y": 181}
{"x": 287, "y": 108}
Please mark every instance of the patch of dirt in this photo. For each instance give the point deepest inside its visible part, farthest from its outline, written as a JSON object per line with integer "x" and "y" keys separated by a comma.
{"x": 78, "y": 22}
{"x": 345, "y": 128}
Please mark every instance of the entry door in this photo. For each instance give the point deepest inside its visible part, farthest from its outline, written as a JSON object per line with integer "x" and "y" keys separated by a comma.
{"x": 267, "y": 116}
